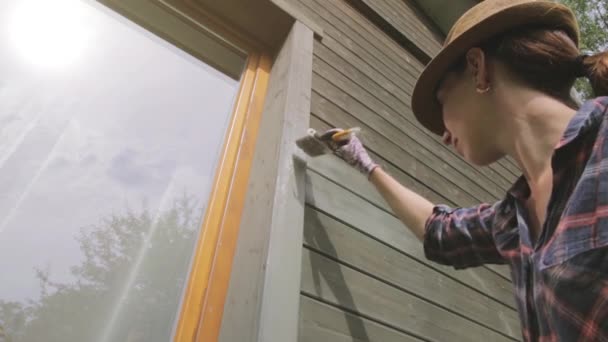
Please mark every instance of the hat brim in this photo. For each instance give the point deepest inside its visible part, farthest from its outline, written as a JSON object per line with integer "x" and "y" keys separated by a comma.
{"x": 544, "y": 14}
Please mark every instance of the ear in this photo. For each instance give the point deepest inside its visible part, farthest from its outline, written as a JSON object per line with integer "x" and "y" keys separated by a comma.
{"x": 478, "y": 66}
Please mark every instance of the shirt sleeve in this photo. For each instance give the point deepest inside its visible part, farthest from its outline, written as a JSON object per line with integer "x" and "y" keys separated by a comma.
{"x": 462, "y": 237}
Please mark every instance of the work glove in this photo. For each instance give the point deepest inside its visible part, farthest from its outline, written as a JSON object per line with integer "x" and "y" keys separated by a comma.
{"x": 350, "y": 150}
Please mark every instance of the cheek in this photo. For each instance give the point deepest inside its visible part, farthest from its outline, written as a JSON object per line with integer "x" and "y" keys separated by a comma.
{"x": 456, "y": 110}
{"x": 451, "y": 116}
{"x": 464, "y": 120}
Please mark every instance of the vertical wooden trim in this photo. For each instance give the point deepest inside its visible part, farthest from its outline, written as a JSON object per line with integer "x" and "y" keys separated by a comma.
{"x": 263, "y": 296}
{"x": 279, "y": 316}
{"x": 224, "y": 195}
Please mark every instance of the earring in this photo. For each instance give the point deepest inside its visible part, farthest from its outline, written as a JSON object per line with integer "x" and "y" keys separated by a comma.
{"x": 483, "y": 91}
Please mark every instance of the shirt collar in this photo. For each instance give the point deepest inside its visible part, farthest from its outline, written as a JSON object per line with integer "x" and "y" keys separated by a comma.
{"x": 586, "y": 118}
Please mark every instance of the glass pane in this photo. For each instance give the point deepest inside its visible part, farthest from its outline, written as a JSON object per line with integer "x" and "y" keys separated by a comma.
{"x": 109, "y": 140}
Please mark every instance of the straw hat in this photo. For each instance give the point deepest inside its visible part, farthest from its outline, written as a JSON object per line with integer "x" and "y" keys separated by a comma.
{"x": 484, "y": 20}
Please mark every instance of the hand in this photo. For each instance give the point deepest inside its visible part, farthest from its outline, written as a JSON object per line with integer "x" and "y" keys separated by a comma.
{"x": 351, "y": 151}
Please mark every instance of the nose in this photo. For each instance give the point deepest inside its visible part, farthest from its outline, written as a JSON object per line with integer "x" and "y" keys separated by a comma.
{"x": 447, "y": 137}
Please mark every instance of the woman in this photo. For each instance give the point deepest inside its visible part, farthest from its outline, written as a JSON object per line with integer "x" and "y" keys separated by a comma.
{"x": 501, "y": 86}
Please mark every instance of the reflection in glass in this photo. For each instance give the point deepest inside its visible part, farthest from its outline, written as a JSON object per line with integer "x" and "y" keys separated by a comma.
{"x": 108, "y": 149}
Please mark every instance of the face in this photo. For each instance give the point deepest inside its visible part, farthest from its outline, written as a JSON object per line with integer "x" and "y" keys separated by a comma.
{"x": 468, "y": 117}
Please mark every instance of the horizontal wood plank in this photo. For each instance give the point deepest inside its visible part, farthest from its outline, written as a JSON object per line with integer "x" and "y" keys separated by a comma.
{"x": 362, "y": 26}
{"x": 320, "y": 322}
{"x": 343, "y": 286}
{"x": 412, "y": 11}
{"x": 408, "y": 23}
{"x": 399, "y": 70}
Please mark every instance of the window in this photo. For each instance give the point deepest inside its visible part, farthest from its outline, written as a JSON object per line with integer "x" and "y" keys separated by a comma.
{"x": 115, "y": 146}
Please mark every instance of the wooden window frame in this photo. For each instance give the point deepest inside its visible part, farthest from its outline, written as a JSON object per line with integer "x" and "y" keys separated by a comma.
{"x": 200, "y": 312}
{"x": 259, "y": 182}
{"x": 203, "y": 301}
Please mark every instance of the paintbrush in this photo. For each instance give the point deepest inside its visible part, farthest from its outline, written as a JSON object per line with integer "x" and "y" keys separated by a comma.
{"x": 313, "y": 145}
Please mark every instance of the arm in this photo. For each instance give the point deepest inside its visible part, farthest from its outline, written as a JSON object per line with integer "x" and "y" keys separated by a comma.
{"x": 412, "y": 209}
{"x": 461, "y": 237}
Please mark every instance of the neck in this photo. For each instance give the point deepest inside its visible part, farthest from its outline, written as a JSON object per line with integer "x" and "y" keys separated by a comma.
{"x": 536, "y": 124}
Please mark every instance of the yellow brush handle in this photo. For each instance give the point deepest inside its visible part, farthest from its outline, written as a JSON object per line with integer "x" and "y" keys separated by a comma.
{"x": 345, "y": 134}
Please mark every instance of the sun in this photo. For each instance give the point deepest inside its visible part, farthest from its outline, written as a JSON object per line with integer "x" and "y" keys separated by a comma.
{"x": 47, "y": 33}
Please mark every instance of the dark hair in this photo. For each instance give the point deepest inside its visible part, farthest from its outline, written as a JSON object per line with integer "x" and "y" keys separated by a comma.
{"x": 547, "y": 60}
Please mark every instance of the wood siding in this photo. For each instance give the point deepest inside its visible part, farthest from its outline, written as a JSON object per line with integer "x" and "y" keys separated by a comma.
{"x": 364, "y": 276}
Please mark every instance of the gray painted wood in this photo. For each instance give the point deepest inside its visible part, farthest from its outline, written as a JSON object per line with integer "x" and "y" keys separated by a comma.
{"x": 320, "y": 322}
{"x": 410, "y": 7}
{"x": 360, "y": 25}
{"x": 333, "y": 26}
{"x": 280, "y": 303}
{"x": 414, "y": 13}
{"x": 355, "y": 211}
{"x": 347, "y": 288}
{"x": 263, "y": 301}
{"x": 388, "y": 85}
{"x": 409, "y": 24}
{"x": 511, "y": 165}
{"x": 337, "y": 240}
{"x": 501, "y": 270}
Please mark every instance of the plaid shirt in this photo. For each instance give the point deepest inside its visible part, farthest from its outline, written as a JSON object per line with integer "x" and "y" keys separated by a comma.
{"x": 561, "y": 280}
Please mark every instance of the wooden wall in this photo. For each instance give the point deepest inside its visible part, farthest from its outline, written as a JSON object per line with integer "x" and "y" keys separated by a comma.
{"x": 364, "y": 276}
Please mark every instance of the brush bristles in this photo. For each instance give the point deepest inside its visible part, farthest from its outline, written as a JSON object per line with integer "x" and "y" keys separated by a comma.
{"x": 312, "y": 145}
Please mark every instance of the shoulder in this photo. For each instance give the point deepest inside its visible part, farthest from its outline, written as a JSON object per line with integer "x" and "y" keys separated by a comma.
{"x": 590, "y": 122}
{"x": 598, "y": 108}
{"x": 598, "y": 118}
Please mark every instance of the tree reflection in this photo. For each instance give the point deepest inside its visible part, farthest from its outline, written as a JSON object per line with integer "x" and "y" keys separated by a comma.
{"x": 79, "y": 310}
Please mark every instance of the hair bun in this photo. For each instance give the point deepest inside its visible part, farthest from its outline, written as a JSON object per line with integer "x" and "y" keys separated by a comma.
{"x": 580, "y": 67}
